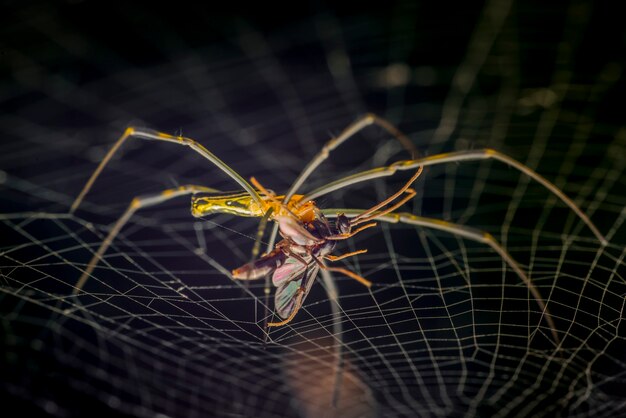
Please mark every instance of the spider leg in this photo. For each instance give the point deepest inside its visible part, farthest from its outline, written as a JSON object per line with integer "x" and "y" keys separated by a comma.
{"x": 256, "y": 249}
{"x": 135, "y": 204}
{"x": 150, "y": 134}
{"x": 471, "y": 234}
{"x": 346, "y": 134}
{"x": 470, "y": 155}
{"x": 262, "y": 188}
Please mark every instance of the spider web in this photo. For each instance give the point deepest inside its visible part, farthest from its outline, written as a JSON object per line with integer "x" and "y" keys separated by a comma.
{"x": 447, "y": 329}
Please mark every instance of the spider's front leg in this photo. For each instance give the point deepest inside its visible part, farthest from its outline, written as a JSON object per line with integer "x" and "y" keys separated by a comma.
{"x": 151, "y": 135}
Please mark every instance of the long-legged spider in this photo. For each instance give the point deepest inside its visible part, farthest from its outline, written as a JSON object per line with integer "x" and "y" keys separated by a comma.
{"x": 303, "y": 210}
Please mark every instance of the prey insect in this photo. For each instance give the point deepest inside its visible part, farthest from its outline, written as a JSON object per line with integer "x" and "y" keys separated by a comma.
{"x": 298, "y": 257}
{"x": 308, "y": 238}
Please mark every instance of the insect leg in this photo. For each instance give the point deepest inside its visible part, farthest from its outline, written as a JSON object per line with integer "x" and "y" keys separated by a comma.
{"x": 344, "y": 271}
{"x": 298, "y": 305}
{"x": 363, "y": 217}
{"x": 342, "y": 256}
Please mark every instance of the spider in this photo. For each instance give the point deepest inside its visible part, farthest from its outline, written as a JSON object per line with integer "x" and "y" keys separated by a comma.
{"x": 302, "y": 210}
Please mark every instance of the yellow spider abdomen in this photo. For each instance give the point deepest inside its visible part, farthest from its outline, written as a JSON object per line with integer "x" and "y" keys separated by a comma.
{"x": 242, "y": 204}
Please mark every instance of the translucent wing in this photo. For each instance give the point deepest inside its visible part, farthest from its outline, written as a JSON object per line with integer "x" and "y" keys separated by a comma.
{"x": 288, "y": 298}
{"x": 290, "y": 270}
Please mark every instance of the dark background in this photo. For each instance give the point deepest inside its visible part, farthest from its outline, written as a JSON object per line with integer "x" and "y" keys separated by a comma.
{"x": 264, "y": 88}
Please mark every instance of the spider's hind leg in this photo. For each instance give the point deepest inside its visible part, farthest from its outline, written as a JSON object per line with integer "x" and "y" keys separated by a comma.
{"x": 135, "y": 204}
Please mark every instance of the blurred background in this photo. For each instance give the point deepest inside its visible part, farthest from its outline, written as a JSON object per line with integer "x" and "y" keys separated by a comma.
{"x": 448, "y": 329}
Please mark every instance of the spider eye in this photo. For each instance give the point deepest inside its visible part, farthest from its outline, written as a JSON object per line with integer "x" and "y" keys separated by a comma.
{"x": 343, "y": 224}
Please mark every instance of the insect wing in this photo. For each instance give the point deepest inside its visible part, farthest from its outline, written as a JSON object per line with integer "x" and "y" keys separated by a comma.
{"x": 288, "y": 297}
{"x": 291, "y": 269}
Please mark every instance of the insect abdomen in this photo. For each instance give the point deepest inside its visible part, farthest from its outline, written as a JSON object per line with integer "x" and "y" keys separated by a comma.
{"x": 261, "y": 267}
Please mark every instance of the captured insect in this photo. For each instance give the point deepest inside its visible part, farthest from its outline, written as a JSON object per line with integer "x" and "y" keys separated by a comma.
{"x": 308, "y": 236}
{"x": 296, "y": 259}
